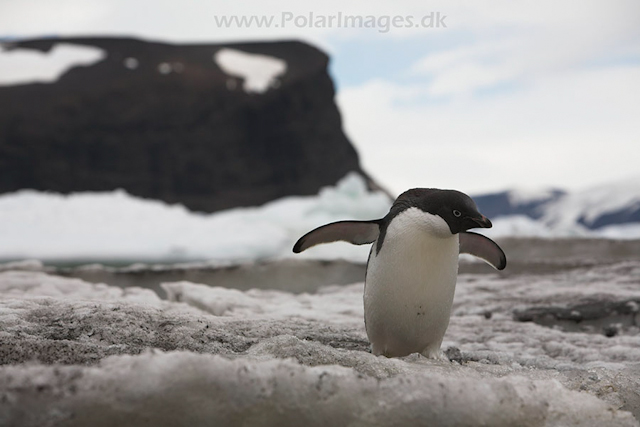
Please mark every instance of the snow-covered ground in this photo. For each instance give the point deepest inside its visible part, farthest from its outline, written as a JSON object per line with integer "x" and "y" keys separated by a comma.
{"x": 117, "y": 226}
{"x": 79, "y": 353}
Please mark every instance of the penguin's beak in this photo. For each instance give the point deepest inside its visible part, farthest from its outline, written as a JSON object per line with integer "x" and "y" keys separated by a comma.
{"x": 482, "y": 221}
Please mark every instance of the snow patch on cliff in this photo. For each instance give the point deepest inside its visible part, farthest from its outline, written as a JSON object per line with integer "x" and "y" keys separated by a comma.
{"x": 22, "y": 66}
{"x": 260, "y": 72}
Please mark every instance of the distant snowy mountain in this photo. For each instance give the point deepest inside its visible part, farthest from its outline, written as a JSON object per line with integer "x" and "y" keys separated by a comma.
{"x": 517, "y": 202}
{"x": 610, "y": 210}
{"x": 598, "y": 207}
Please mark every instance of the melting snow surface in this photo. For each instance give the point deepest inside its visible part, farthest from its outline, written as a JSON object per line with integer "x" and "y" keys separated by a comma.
{"x": 21, "y": 66}
{"x": 211, "y": 355}
{"x": 260, "y": 72}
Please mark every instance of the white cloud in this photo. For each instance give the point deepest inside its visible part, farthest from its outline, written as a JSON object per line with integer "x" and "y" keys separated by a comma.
{"x": 570, "y": 129}
{"x": 533, "y": 44}
{"x": 552, "y": 111}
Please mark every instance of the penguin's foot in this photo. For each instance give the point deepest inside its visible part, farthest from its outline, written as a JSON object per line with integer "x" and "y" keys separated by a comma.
{"x": 435, "y": 354}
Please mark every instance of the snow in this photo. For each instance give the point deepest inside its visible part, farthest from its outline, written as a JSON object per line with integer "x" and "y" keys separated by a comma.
{"x": 334, "y": 304}
{"x": 22, "y": 66}
{"x": 116, "y": 225}
{"x": 622, "y": 231}
{"x": 521, "y": 196}
{"x": 564, "y": 216}
{"x": 260, "y": 72}
{"x": 81, "y": 353}
{"x": 593, "y": 202}
{"x": 523, "y": 226}
{"x": 517, "y": 225}
{"x": 21, "y": 284}
{"x": 198, "y": 390}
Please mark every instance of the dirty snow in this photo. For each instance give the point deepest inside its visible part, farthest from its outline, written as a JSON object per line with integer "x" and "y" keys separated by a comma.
{"x": 217, "y": 355}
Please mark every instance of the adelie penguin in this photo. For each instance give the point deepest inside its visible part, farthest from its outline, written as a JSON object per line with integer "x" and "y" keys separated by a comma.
{"x": 413, "y": 266}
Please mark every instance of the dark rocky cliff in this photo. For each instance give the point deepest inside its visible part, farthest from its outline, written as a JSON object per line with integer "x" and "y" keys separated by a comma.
{"x": 188, "y": 135}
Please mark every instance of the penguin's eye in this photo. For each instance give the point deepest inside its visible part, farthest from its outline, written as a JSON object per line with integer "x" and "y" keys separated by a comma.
{"x": 456, "y": 213}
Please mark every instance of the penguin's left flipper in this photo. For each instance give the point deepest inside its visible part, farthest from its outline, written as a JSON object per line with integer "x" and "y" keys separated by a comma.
{"x": 356, "y": 232}
{"x": 484, "y": 248}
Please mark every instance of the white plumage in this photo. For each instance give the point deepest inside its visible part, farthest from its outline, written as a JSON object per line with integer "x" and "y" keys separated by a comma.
{"x": 410, "y": 285}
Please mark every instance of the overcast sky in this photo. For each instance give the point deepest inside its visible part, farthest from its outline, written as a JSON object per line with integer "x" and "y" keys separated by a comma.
{"x": 509, "y": 94}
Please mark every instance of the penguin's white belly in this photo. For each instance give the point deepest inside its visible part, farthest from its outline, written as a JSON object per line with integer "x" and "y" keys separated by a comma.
{"x": 410, "y": 286}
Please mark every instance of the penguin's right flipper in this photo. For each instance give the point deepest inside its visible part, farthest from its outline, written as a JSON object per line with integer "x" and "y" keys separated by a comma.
{"x": 484, "y": 248}
{"x": 356, "y": 232}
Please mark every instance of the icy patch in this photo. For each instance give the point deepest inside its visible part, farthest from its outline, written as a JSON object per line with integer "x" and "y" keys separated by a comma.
{"x": 260, "y": 72}
{"x": 22, "y": 66}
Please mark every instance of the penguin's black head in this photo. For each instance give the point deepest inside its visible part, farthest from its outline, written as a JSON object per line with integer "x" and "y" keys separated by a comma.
{"x": 457, "y": 209}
